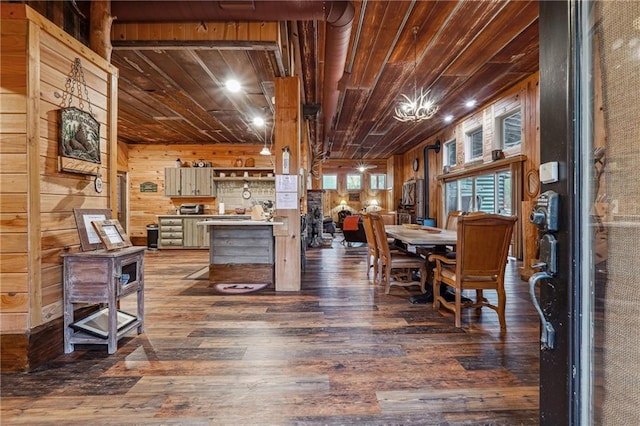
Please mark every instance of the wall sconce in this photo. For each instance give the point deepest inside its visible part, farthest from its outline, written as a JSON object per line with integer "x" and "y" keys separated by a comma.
{"x": 343, "y": 205}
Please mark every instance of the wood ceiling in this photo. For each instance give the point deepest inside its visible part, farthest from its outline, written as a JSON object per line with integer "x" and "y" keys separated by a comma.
{"x": 465, "y": 50}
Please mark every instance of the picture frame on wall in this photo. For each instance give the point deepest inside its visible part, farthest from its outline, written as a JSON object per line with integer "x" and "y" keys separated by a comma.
{"x": 111, "y": 234}
{"x": 89, "y": 238}
{"x": 79, "y": 135}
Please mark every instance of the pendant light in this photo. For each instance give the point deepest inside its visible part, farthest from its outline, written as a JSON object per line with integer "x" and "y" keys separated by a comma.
{"x": 420, "y": 106}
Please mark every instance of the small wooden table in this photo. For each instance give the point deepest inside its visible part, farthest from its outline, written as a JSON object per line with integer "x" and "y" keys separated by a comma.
{"x": 96, "y": 277}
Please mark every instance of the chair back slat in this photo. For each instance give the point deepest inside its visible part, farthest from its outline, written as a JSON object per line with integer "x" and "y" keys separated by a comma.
{"x": 452, "y": 220}
{"x": 483, "y": 244}
{"x": 369, "y": 232}
{"x": 380, "y": 236}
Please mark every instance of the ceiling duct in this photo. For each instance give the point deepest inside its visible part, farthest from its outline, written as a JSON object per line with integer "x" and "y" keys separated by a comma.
{"x": 338, "y": 15}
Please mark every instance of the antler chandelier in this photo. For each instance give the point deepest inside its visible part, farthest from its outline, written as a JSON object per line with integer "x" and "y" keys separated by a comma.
{"x": 421, "y": 107}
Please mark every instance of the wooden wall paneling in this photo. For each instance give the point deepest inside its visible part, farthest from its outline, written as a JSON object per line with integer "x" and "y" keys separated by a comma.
{"x": 14, "y": 302}
{"x": 13, "y": 282}
{"x": 33, "y": 173}
{"x": 524, "y": 94}
{"x": 146, "y": 163}
{"x": 287, "y": 133}
{"x": 13, "y": 262}
{"x": 12, "y": 143}
{"x": 38, "y": 72}
{"x": 14, "y": 203}
{"x": 15, "y": 163}
{"x": 15, "y": 243}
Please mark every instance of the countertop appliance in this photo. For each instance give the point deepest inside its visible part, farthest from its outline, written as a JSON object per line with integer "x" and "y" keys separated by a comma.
{"x": 191, "y": 208}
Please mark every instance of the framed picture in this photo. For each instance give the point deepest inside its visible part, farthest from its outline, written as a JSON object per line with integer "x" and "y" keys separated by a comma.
{"x": 354, "y": 196}
{"x": 111, "y": 234}
{"x": 79, "y": 135}
{"x": 97, "y": 323}
{"x": 89, "y": 239}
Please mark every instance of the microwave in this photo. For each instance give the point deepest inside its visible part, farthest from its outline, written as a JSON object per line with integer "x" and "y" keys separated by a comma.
{"x": 192, "y": 208}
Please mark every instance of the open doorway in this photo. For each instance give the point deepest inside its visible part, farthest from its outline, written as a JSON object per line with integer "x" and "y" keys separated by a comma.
{"x": 123, "y": 199}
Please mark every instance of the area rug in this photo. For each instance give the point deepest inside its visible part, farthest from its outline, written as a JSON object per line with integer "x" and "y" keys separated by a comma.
{"x": 203, "y": 275}
{"x": 239, "y": 288}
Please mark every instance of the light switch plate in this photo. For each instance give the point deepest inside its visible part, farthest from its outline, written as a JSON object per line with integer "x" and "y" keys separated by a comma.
{"x": 549, "y": 172}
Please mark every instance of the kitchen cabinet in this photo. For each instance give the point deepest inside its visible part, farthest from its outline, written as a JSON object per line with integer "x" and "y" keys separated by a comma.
{"x": 189, "y": 182}
{"x": 170, "y": 232}
{"x": 96, "y": 277}
{"x": 194, "y": 236}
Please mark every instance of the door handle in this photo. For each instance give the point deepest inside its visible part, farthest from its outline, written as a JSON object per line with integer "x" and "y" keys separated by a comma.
{"x": 547, "y": 339}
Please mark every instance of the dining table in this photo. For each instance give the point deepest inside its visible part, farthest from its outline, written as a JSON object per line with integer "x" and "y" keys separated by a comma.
{"x": 423, "y": 236}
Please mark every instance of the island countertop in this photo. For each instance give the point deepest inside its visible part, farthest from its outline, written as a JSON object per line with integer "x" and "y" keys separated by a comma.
{"x": 232, "y": 222}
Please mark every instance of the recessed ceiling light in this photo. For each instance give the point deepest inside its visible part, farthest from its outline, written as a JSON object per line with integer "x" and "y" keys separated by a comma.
{"x": 448, "y": 118}
{"x": 233, "y": 85}
{"x": 258, "y": 121}
{"x": 470, "y": 103}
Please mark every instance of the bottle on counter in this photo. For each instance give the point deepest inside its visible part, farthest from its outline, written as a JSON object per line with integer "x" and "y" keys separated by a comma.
{"x": 178, "y": 163}
{"x": 220, "y": 207}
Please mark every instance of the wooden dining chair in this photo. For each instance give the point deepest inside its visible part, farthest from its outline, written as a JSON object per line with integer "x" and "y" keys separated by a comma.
{"x": 372, "y": 248}
{"x": 481, "y": 258}
{"x": 398, "y": 264}
{"x": 452, "y": 220}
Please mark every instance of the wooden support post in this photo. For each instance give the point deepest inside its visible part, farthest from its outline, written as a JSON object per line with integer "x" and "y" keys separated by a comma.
{"x": 288, "y": 116}
{"x": 100, "y": 28}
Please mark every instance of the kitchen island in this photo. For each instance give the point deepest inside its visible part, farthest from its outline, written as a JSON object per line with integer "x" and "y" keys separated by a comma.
{"x": 241, "y": 251}
{"x": 180, "y": 231}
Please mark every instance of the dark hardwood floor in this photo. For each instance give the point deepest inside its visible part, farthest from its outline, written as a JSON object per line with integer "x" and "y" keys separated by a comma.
{"x": 338, "y": 352}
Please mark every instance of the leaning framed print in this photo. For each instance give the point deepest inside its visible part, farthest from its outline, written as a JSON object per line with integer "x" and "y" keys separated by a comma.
{"x": 97, "y": 323}
{"x": 111, "y": 234}
{"x": 89, "y": 239}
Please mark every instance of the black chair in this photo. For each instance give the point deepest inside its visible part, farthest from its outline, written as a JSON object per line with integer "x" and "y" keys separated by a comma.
{"x": 353, "y": 230}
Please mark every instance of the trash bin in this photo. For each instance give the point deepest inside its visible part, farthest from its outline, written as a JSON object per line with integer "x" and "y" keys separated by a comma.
{"x": 152, "y": 236}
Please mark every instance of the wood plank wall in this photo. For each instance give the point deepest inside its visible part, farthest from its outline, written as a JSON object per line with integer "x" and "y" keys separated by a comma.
{"x": 341, "y": 168}
{"x": 38, "y": 200}
{"x": 524, "y": 94}
{"x": 146, "y": 163}
{"x": 14, "y": 183}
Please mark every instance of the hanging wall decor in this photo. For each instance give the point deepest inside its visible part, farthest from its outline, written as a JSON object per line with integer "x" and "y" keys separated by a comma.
{"x": 79, "y": 147}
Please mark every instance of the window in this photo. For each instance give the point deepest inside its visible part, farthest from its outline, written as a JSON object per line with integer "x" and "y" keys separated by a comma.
{"x": 474, "y": 145}
{"x": 378, "y": 181}
{"x": 354, "y": 182}
{"x": 330, "y": 182}
{"x": 449, "y": 153}
{"x": 490, "y": 193}
{"x": 510, "y": 126}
